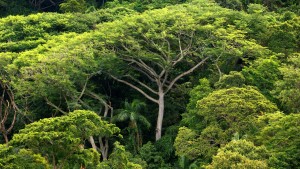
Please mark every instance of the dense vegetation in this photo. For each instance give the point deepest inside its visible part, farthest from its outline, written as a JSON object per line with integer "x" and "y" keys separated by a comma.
{"x": 149, "y": 84}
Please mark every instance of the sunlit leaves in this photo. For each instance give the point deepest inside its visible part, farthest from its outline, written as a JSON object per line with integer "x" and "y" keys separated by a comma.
{"x": 240, "y": 154}
{"x": 55, "y": 138}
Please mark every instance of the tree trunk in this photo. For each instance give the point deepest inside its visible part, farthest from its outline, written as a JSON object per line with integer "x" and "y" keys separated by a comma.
{"x": 103, "y": 148}
{"x": 92, "y": 141}
{"x": 53, "y": 162}
{"x": 5, "y": 138}
{"x": 161, "y": 109}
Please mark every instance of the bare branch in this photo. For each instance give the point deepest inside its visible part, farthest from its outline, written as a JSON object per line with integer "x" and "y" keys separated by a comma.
{"x": 106, "y": 106}
{"x": 83, "y": 89}
{"x": 143, "y": 84}
{"x": 165, "y": 78}
{"x": 148, "y": 67}
{"x": 185, "y": 73}
{"x": 165, "y": 56}
{"x": 144, "y": 66}
{"x": 219, "y": 70}
{"x": 169, "y": 45}
{"x": 162, "y": 73}
{"x": 13, "y": 122}
{"x": 56, "y": 107}
{"x": 136, "y": 88}
{"x": 183, "y": 52}
{"x": 143, "y": 72}
{"x": 84, "y": 104}
{"x": 7, "y": 106}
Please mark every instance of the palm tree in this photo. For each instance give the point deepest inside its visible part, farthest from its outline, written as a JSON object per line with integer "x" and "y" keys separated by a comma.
{"x": 131, "y": 113}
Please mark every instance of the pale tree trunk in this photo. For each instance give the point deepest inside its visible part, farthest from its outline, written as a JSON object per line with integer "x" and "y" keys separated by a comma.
{"x": 103, "y": 147}
{"x": 92, "y": 141}
{"x": 161, "y": 109}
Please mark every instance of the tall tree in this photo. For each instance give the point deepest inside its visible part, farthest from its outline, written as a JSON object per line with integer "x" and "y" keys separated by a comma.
{"x": 158, "y": 59}
{"x": 160, "y": 48}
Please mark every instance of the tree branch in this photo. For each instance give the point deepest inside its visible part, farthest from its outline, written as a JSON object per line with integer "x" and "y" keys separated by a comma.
{"x": 143, "y": 72}
{"x": 183, "y": 52}
{"x": 219, "y": 70}
{"x": 92, "y": 141}
{"x": 185, "y": 73}
{"x": 53, "y": 105}
{"x": 143, "y": 84}
{"x": 106, "y": 106}
{"x": 136, "y": 88}
{"x": 144, "y": 66}
{"x": 83, "y": 89}
{"x": 165, "y": 56}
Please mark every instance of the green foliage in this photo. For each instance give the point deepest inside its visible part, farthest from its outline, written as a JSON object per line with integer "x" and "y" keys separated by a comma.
{"x": 152, "y": 29}
{"x": 185, "y": 163}
{"x": 189, "y": 144}
{"x": 232, "y": 4}
{"x": 165, "y": 144}
{"x": 63, "y": 61}
{"x": 119, "y": 159}
{"x": 240, "y": 154}
{"x": 14, "y": 158}
{"x": 287, "y": 89}
{"x": 142, "y": 5}
{"x": 14, "y": 7}
{"x": 61, "y": 139}
{"x": 152, "y": 156}
{"x": 20, "y": 33}
{"x": 52, "y": 72}
{"x": 197, "y": 93}
{"x": 263, "y": 74}
{"x": 281, "y": 137}
{"x": 274, "y": 5}
{"x": 219, "y": 115}
{"x": 234, "y": 109}
{"x": 73, "y": 6}
{"x": 233, "y": 79}
{"x": 159, "y": 46}
{"x": 131, "y": 113}
{"x": 284, "y": 34}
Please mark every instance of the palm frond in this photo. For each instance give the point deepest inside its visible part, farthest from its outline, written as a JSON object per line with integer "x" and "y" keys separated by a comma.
{"x": 143, "y": 120}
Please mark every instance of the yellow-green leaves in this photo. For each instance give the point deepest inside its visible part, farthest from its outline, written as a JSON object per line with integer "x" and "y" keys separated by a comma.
{"x": 239, "y": 154}
{"x": 62, "y": 138}
{"x": 281, "y": 137}
{"x": 218, "y": 117}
